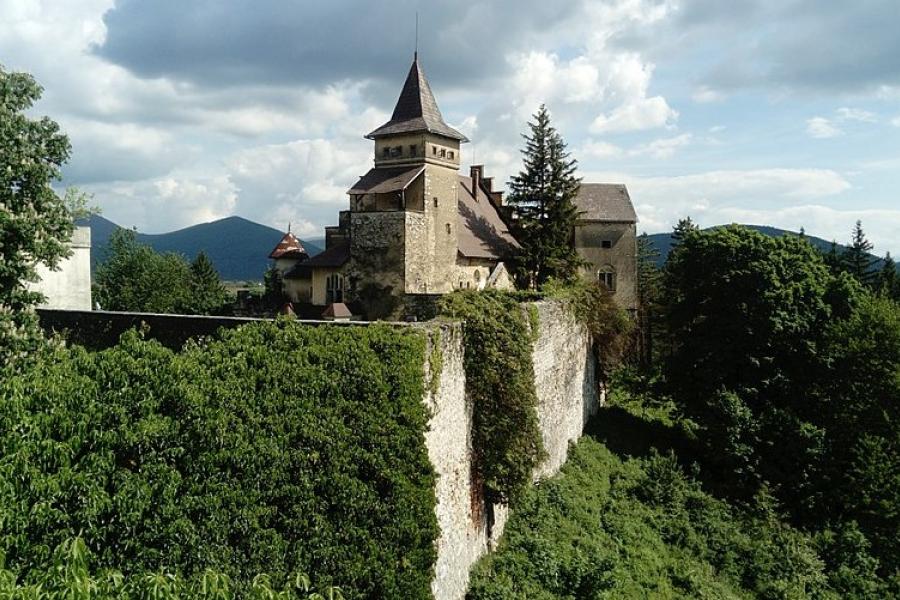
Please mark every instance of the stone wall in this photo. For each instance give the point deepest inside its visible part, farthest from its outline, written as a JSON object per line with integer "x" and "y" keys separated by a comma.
{"x": 621, "y": 256}
{"x": 568, "y": 395}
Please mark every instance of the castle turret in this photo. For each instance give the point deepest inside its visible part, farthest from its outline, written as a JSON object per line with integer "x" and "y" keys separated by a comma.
{"x": 404, "y": 210}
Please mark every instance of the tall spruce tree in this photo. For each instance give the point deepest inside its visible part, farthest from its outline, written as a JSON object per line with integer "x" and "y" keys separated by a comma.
{"x": 207, "y": 293}
{"x": 683, "y": 227}
{"x": 833, "y": 259}
{"x": 858, "y": 258}
{"x": 542, "y": 198}
{"x": 888, "y": 282}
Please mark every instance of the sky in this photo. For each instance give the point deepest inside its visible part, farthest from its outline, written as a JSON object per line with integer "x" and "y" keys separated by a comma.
{"x": 773, "y": 112}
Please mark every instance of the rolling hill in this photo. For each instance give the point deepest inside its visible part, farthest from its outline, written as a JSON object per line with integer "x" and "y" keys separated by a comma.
{"x": 238, "y": 248}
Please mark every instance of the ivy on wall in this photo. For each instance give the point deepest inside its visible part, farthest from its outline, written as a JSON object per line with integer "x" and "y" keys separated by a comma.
{"x": 500, "y": 380}
{"x": 273, "y": 448}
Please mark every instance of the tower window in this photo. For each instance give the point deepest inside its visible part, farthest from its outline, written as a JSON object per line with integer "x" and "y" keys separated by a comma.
{"x": 434, "y": 150}
{"x": 451, "y": 154}
{"x": 607, "y": 278}
{"x": 448, "y": 228}
{"x": 396, "y": 151}
{"x": 435, "y": 202}
{"x": 386, "y": 152}
{"x": 413, "y": 149}
{"x": 443, "y": 153}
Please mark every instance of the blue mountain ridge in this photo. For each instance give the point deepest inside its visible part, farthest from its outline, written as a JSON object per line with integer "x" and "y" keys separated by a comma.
{"x": 237, "y": 247}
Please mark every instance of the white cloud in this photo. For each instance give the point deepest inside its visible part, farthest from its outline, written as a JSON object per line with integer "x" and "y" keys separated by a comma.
{"x": 637, "y": 115}
{"x": 601, "y": 150}
{"x": 856, "y": 114}
{"x": 704, "y": 95}
{"x": 821, "y": 128}
{"x": 664, "y": 147}
{"x": 895, "y": 121}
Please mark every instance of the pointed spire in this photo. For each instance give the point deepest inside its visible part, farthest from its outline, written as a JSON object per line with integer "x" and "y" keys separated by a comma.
{"x": 416, "y": 109}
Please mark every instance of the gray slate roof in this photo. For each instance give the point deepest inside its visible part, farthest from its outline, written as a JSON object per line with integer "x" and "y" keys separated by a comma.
{"x": 481, "y": 231}
{"x": 416, "y": 110}
{"x": 332, "y": 258}
{"x": 385, "y": 180}
{"x": 605, "y": 202}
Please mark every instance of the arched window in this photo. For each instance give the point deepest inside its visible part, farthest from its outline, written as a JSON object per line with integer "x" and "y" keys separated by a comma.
{"x": 607, "y": 277}
{"x": 478, "y": 283}
{"x": 334, "y": 288}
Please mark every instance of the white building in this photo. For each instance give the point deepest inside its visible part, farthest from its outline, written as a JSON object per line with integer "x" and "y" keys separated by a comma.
{"x": 69, "y": 285}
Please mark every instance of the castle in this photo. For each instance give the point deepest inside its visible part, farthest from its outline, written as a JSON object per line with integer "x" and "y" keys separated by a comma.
{"x": 418, "y": 228}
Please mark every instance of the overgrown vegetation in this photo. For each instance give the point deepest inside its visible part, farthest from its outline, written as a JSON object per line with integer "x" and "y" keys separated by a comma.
{"x": 624, "y": 520}
{"x": 134, "y": 277}
{"x": 500, "y": 380}
{"x": 272, "y": 449}
{"x": 70, "y": 577}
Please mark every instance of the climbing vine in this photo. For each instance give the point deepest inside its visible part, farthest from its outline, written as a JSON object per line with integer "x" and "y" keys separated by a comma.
{"x": 500, "y": 379}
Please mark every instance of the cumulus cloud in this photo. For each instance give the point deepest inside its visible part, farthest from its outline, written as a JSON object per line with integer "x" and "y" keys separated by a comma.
{"x": 705, "y": 94}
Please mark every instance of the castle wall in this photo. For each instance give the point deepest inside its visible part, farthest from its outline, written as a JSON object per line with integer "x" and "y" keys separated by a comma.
{"x": 440, "y": 243}
{"x": 567, "y": 393}
{"x": 69, "y": 286}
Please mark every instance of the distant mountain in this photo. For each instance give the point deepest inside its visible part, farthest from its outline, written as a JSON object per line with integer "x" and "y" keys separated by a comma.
{"x": 662, "y": 242}
{"x": 238, "y": 248}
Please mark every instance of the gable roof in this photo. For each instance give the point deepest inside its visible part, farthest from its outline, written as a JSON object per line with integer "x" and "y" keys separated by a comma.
{"x": 481, "y": 231}
{"x": 289, "y": 247}
{"x": 605, "y": 202}
{"x": 416, "y": 110}
{"x": 384, "y": 180}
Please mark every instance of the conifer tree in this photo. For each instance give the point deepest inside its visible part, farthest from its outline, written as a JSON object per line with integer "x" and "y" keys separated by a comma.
{"x": 857, "y": 257}
{"x": 542, "y": 198}
{"x": 888, "y": 282}
{"x": 208, "y": 294}
{"x": 683, "y": 227}
{"x": 833, "y": 259}
{"x": 648, "y": 295}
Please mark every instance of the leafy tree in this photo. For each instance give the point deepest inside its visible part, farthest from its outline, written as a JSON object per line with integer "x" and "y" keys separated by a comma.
{"x": 857, "y": 257}
{"x": 207, "y": 293}
{"x": 134, "y": 277}
{"x": 35, "y": 225}
{"x": 541, "y": 197}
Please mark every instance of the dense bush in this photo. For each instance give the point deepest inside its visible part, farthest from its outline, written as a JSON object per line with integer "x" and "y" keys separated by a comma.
{"x": 608, "y": 528}
{"x": 70, "y": 577}
{"x": 792, "y": 374}
{"x": 500, "y": 380}
{"x": 274, "y": 449}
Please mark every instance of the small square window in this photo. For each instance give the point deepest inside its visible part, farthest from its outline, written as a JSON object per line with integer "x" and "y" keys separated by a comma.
{"x": 396, "y": 151}
{"x": 451, "y": 154}
{"x": 386, "y": 152}
{"x": 434, "y": 150}
{"x": 443, "y": 153}
{"x": 435, "y": 202}
{"x": 606, "y": 244}
{"x": 413, "y": 149}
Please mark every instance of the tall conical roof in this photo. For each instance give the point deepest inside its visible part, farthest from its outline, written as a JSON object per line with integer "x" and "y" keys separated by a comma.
{"x": 416, "y": 110}
{"x": 289, "y": 247}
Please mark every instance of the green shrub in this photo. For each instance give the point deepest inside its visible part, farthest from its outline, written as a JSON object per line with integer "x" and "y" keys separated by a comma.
{"x": 274, "y": 448}
{"x": 500, "y": 380}
{"x": 608, "y": 528}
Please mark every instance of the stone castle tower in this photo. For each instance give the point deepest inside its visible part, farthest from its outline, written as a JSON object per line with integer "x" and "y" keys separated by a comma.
{"x": 404, "y": 211}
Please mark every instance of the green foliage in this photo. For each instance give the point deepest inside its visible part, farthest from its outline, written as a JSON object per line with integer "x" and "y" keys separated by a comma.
{"x": 70, "y": 576}
{"x": 208, "y": 295}
{"x": 638, "y": 528}
{"x": 134, "y": 277}
{"x": 541, "y": 196}
{"x": 792, "y": 374}
{"x": 274, "y": 448}
{"x": 857, "y": 257}
{"x": 499, "y": 377}
{"x": 35, "y": 224}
